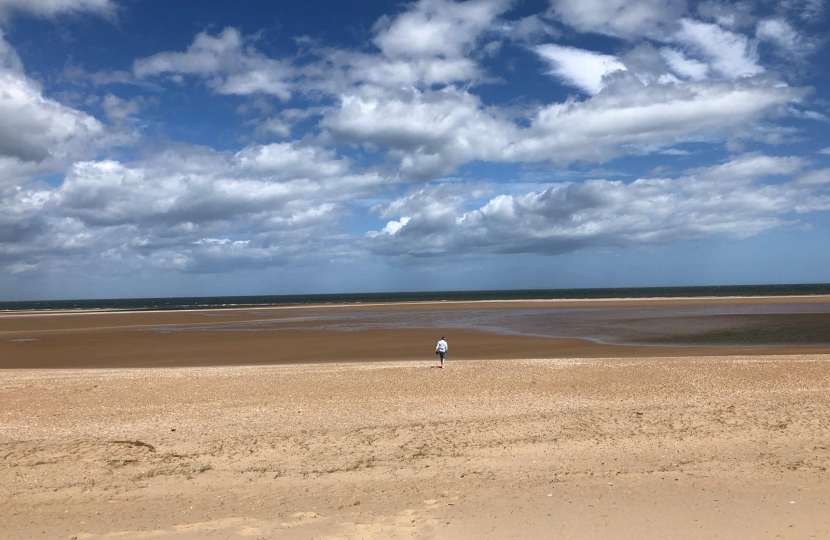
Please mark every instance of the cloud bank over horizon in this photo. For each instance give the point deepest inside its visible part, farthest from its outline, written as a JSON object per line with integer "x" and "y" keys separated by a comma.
{"x": 465, "y": 133}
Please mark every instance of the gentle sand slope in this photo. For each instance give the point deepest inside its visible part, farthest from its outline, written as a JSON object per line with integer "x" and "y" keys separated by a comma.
{"x": 645, "y": 448}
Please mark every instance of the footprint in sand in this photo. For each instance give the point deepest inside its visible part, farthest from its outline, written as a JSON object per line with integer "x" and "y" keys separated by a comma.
{"x": 403, "y": 524}
{"x": 300, "y": 518}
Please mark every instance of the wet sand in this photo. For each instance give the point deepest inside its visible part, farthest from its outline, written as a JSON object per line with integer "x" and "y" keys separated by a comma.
{"x": 476, "y": 330}
{"x": 519, "y": 437}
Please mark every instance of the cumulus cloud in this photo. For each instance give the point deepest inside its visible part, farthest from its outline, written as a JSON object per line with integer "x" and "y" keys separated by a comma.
{"x": 283, "y": 122}
{"x": 428, "y": 132}
{"x": 642, "y": 100}
{"x": 38, "y": 134}
{"x": 51, "y": 8}
{"x": 622, "y": 118}
{"x": 579, "y": 67}
{"x": 412, "y": 97}
{"x": 787, "y": 41}
{"x": 426, "y": 213}
{"x": 688, "y": 68}
{"x": 199, "y": 185}
{"x": 431, "y": 28}
{"x": 119, "y": 109}
{"x": 409, "y": 103}
{"x": 34, "y": 126}
{"x": 749, "y": 166}
{"x": 341, "y": 72}
{"x": 622, "y": 18}
{"x": 289, "y": 161}
{"x": 427, "y": 44}
{"x": 530, "y": 29}
{"x": 819, "y": 178}
{"x": 778, "y": 31}
{"x": 730, "y": 199}
{"x": 726, "y": 14}
{"x": 189, "y": 208}
{"x": 21, "y": 218}
{"x": 731, "y": 54}
{"x": 431, "y": 43}
{"x": 226, "y": 62}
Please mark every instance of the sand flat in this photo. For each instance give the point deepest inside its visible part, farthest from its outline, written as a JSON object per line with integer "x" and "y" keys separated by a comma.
{"x": 349, "y": 333}
{"x": 354, "y": 433}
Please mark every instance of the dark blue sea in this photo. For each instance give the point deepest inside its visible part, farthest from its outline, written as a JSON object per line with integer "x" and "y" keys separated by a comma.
{"x": 218, "y": 302}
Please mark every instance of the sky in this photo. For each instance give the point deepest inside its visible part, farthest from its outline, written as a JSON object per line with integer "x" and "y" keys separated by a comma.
{"x": 206, "y": 147}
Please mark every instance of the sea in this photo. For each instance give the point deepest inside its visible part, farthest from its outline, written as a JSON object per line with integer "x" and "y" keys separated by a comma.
{"x": 218, "y": 302}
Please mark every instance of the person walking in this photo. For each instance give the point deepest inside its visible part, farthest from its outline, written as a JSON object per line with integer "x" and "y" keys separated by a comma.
{"x": 441, "y": 350}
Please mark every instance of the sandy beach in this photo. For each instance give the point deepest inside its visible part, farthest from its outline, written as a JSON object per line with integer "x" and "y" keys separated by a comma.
{"x": 518, "y": 438}
{"x": 408, "y": 331}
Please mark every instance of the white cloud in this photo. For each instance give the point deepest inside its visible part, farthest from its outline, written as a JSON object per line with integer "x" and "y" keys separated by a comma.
{"x": 733, "y": 55}
{"x": 631, "y": 115}
{"x": 428, "y": 132}
{"x": 344, "y": 70}
{"x": 408, "y": 103}
{"x": 684, "y": 67}
{"x": 431, "y": 28}
{"x": 728, "y": 14}
{"x": 21, "y": 217}
{"x": 390, "y": 104}
{"x": 749, "y": 166}
{"x": 228, "y": 65}
{"x": 825, "y": 151}
{"x": 77, "y": 74}
{"x": 787, "y": 41}
{"x": 530, "y": 29}
{"x": 404, "y": 102}
{"x": 427, "y": 44}
{"x": 199, "y": 186}
{"x": 190, "y": 209}
{"x": 777, "y": 31}
{"x": 391, "y": 227}
{"x": 51, "y": 8}
{"x": 427, "y": 214}
{"x": 819, "y": 178}
{"x": 579, "y": 67}
{"x": 288, "y": 161}
{"x": 442, "y": 201}
{"x": 810, "y": 115}
{"x": 623, "y": 18}
{"x": 730, "y": 199}
{"x": 808, "y": 10}
{"x": 283, "y": 122}
{"x": 38, "y": 134}
{"x": 9, "y": 59}
{"x": 119, "y": 109}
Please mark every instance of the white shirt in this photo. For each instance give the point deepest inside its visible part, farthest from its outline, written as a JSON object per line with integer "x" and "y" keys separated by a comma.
{"x": 442, "y": 346}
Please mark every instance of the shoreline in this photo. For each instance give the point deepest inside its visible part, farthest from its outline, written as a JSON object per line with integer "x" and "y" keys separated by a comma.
{"x": 652, "y": 300}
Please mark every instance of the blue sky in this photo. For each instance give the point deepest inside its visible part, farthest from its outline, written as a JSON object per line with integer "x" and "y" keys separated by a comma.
{"x": 156, "y": 148}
